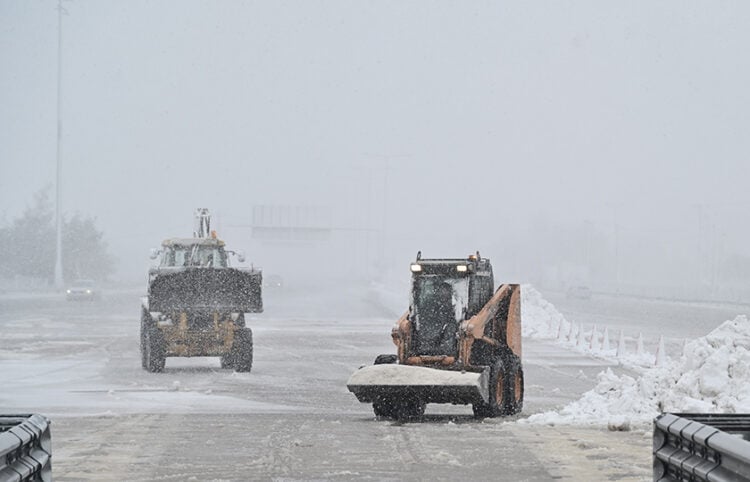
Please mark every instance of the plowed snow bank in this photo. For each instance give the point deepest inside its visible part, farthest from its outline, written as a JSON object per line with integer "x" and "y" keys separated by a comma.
{"x": 540, "y": 318}
{"x": 713, "y": 375}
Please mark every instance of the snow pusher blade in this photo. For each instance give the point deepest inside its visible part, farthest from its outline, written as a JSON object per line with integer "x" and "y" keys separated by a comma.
{"x": 431, "y": 385}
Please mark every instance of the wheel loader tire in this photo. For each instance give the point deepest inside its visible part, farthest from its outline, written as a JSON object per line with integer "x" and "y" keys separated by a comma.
{"x": 386, "y": 359}
{"x": 226, "y": 361}
{"x": 499, "y": 392}
{"x": 241, "y": 354}
{"x": 143, "y": 342}
{"x": 155, "y": 350}
{"x": 146, "y": 323}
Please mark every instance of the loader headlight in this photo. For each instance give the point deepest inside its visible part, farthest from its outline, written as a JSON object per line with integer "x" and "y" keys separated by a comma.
{"x": 88, "y": 292}
{"x": 462, "y": 268}
{"x": 67, "y": 291}
{"x": 416, "y": 268}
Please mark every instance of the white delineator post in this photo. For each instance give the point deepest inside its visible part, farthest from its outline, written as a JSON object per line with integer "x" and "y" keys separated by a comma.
{"x": 559, "y": 330}
{"x": 621, "y": 346}
{"x": 581, "y": 336}
{"x": 594, "y": 338}
{"x": 570, "y": 332}
{"x": 605, "y": 340}
{"x": 661, "y": 358}
{"x": 639, "y": 345}
{"x": 684, "y": 347}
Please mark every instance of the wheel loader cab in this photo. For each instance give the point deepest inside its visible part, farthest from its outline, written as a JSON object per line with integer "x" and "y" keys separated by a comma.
{"x": 194, "y": 253}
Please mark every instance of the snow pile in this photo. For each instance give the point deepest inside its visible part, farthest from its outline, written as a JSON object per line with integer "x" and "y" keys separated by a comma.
{"x": 540, "y": 318}
{"x": 713, "y": 375}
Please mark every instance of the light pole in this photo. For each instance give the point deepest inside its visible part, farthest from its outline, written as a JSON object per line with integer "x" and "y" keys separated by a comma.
{"x": 58, "y": 190}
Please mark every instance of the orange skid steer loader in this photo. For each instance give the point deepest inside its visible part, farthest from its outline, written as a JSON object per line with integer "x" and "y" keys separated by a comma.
{"x": 459, "y": 343}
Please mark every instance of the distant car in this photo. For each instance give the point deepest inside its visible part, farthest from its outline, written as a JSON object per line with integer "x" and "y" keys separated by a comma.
{"x": 273, "y": 281}
{"x": 579, "y": 292}
{"x": 83, "y": 290}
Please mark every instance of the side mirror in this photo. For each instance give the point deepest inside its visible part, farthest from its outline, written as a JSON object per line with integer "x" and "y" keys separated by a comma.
{"x": 155, "y": 252}
{"x": 241, "y": 256}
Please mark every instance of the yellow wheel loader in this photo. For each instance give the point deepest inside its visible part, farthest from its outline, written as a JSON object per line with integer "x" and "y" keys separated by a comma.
{"x": 196, "y": 302}
{"x": 459, "y": 342}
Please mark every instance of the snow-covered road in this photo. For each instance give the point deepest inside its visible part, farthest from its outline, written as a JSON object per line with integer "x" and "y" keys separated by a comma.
{"x": 291, "y": 417}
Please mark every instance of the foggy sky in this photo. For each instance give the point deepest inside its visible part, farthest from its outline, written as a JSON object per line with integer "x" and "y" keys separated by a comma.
{"x": 452, "y": 126}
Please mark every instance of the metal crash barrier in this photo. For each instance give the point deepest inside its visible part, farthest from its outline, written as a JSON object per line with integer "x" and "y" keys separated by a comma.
{"x": 700, "y": 446}
{"x": 25, "y": 448}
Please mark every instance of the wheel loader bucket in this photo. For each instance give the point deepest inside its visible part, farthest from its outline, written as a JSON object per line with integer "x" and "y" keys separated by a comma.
{"x": 431, "y": 385}
{"x": 209, "y": 289}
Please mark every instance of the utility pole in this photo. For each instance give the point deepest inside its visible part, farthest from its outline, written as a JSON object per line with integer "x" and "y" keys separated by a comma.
{"x": 58, "y": 189}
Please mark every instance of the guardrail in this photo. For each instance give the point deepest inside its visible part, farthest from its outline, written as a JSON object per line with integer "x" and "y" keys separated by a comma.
{"x": 702, "y": 447}
{"x": 25, "y": 448}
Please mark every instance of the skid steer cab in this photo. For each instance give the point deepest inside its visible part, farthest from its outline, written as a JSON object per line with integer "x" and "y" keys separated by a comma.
{"x": 196, "y": 303}
{"x": 459, "y": 343}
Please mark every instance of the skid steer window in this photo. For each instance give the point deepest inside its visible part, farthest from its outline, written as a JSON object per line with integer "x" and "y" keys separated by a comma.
{"x": 440, "y": 306}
